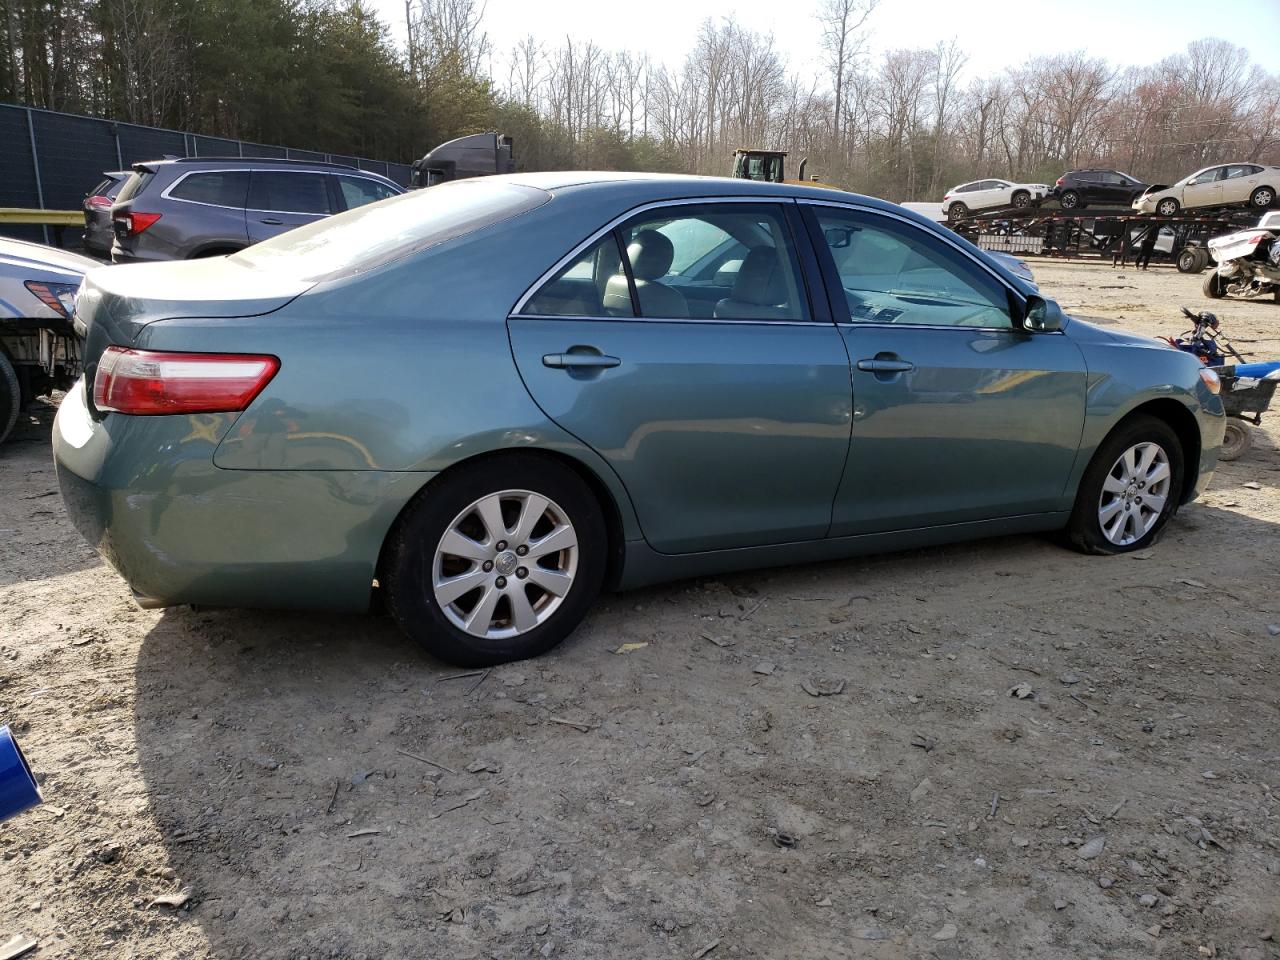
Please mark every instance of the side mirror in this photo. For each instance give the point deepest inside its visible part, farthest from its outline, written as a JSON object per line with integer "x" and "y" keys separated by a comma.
{"x": 1042, "y": 316}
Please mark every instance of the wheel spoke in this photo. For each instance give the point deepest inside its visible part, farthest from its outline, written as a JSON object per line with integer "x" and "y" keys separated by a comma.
{"x": 455, "y": 544}
{"x": 1158, "y": 472}
{"x": 522, "y": 614}
{"x": 1130, "y": 463}
{"x": 481, "y": 617}
{"x": 449, "y": 590}
{"x": 1147, "y": 455}
{"x": 561, "y": 538}
{"x": 553, "y": 581}
{"x": 490, "y": 512}
{"x": 1154, "y": 503}
{"x": 531, "y": 512}
{"x": 1114, "y": 532}
{"x": 1107, "y": 513}
{"x": 1113, "y": 485}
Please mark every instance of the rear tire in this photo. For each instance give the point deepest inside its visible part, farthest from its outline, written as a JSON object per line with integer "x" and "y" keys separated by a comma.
{"x": 957, "y": 211}
{"x": 10, "y": 396}
{"x": 1188, "y": 260}
{"x": 474, "y": 509}
{"x": 1236, "y": 440}
{"x": 1214, "y": 288}
{"x": 1262, "y": 198}
{"x": 1108, "y": 489}
{"x": 1070, "y": 200}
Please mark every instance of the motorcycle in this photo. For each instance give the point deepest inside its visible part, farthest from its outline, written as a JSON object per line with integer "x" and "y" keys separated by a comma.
{"x": 1248, "y": 262}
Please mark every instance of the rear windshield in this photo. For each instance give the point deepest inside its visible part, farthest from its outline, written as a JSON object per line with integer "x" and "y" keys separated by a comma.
{"x": 137, "y": 181}
{"x": 379, "y": 233}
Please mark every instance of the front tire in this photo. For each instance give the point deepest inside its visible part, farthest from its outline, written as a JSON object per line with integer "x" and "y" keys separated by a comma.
{"x": 1130, "y": 489}
{"x": 1168, "y": 207}
{"x": 497, "y": 561}
{"x": 1215, "y": 288}
{"x": 1021, "y": 200}
{"x": 1262, "y": 198}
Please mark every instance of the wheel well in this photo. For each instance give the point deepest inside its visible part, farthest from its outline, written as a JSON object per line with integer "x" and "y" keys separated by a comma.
{"x": 1025, "y": 193}
{"x": 218, "y": 250}
{"x": 608, "y": 506}
{"x": 1183, "y": 423}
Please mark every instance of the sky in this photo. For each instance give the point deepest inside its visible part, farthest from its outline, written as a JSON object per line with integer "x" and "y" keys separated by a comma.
{"x": 994, "y": 33}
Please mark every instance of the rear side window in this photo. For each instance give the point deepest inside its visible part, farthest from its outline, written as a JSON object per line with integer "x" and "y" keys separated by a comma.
{"x": 284, "y": 191}
{"x": 357, "y": 191}
{"x": 222, "y": 188}
{"x": 136, "y": 183}
{"x": 376, "y": 234}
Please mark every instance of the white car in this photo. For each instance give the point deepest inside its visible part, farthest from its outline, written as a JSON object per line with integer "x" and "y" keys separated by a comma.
{"x": 1227, "y": 184}
{"x": 960, "y": 201}
{"x": 39, "y": 350}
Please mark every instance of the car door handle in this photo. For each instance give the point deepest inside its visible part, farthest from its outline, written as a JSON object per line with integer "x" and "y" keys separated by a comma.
{"x": 271, "y": 220}
{"x": 885, "y": 366}
{"x": 566, "y": 361}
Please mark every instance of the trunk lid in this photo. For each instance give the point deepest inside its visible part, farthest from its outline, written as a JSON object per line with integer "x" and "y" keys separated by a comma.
{"x": 116, "y": 303}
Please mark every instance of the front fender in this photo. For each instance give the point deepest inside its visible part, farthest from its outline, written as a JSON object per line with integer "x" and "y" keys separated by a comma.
{"x": 1129, "y": 377}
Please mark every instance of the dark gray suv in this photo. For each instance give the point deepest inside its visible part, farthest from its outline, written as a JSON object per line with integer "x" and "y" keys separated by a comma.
{"x": 206, "y": 207}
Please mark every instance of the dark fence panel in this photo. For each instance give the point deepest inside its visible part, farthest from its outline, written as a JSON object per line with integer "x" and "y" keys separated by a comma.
{"x": 262, "y": 150}
{"x": 72, "y": 151}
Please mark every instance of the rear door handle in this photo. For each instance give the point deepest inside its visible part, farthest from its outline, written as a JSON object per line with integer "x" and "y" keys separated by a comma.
{"x": 886, "y": 366}
{"x": 271, "y": 220}
{"x": 566, "y": 361}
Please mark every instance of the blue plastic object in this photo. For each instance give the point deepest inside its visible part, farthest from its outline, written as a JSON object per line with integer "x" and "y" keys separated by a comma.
{"x": 1257, "y": 369}
{"x": 18, "y": 790}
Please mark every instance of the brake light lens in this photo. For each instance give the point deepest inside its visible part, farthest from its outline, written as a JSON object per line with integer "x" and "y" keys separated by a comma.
{"x": 135, "y": 223}
{"x": 151, "y": 382}
{"x": 1060, "y": 181}
{"x": 99, "y": 201}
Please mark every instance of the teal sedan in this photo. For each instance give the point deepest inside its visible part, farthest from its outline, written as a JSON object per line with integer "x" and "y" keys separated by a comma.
{"x": 483, "y": 403}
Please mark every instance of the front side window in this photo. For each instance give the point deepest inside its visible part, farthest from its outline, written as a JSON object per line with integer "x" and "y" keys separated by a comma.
{"x": 893, "y": 272}
{"x": 223, "y": 188}
{"x": 1208, "y": 176}
{"x": 285, "y": 191}
{"x": 662, "y": 244}
{"x": 357, "y": 191}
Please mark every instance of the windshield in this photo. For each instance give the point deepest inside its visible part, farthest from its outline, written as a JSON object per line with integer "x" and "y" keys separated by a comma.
{"x": 378, "y": 233}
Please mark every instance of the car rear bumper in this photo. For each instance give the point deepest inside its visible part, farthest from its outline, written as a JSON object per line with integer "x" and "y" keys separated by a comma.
{"x": 143, "y": 491}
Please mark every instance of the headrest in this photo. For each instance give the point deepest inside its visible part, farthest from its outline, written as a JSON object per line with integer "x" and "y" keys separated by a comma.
{"x": 760, "y": 279}
{"x": 651, "y": 254}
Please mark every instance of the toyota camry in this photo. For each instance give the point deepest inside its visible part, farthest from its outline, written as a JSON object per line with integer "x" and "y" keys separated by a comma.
{"x": 482, "y": 403}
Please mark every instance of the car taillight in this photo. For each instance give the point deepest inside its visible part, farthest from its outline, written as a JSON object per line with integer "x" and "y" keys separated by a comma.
{"x": 150, "y": 382}
{"x": 99, "y": 201}
{"x": 1060, "y": 181}
{"x": 135, "y": 223}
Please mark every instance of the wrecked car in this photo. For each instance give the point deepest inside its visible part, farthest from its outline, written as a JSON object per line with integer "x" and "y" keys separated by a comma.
{"x": 1248, "y": 262}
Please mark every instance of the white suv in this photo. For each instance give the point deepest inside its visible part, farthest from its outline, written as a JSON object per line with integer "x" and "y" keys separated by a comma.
{"x": 960, "y": 201}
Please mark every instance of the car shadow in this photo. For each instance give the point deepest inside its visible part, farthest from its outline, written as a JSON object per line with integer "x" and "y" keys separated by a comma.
{"x": 316, "y": 780}
{"x": 36, "y": 535}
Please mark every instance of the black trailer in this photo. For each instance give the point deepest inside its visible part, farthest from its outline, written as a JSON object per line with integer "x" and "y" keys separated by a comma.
{"x": 1105, "y": 234}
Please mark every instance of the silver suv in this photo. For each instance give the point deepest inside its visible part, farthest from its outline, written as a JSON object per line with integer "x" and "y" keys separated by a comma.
{"x": 206, "y": 207}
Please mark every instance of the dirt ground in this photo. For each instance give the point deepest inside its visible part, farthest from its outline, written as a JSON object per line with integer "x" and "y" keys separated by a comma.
{"x": 313, "y": 787}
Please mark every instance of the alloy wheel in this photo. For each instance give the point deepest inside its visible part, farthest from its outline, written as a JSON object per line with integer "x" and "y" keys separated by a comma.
{"x": 1263, "y": 197}
{"x": 1167, "y": 208}
{"x": 505, "y": 564}
{"x": 1134, "y": 493}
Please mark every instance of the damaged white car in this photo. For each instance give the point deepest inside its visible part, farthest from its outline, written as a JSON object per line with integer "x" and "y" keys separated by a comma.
{"x": 1248, "y": 262}
{"x": 1223, "y": 185}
